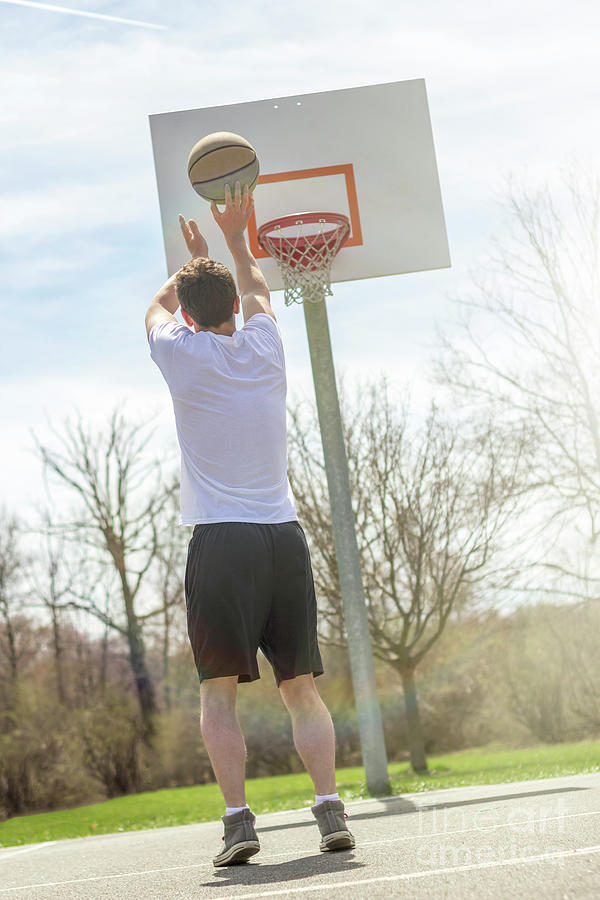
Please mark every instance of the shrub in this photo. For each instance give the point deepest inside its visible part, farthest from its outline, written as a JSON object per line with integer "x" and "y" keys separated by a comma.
{"x": 181, "y": 757}
{"x": 40, "y": 766}
{"x": 111, "y": 733}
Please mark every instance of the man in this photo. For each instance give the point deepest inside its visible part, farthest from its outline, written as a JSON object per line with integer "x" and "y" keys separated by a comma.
{"x": 248, "y": 580}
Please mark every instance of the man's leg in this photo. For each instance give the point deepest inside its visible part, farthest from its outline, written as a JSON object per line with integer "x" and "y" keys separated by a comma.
{"x": 223, "y": 737}
{"x": 314, "y": 737}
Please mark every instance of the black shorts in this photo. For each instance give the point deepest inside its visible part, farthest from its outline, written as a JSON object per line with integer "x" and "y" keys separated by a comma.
{"x": 247, "y": 586}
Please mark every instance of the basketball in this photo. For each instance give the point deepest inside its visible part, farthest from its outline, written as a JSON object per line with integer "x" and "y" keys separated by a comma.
{"x": 219, "y": 159}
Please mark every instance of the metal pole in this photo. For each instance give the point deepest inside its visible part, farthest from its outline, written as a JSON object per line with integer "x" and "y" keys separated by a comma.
{"x": 346, "y": 548}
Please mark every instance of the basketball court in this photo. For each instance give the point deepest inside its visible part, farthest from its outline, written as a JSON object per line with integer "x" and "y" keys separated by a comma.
{"x": 520, "y": 840}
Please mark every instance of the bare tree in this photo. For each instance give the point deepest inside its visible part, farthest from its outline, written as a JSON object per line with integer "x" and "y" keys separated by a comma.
{"x": 50, "y": 583}
{"x": 526, "y": 345}
{"x": 16, "y": 637}
{"x": 170, "y": 568}
{"x": 12, "y": 563}
{"x": 430, "y": 502}
{"x": 122, "y": 495}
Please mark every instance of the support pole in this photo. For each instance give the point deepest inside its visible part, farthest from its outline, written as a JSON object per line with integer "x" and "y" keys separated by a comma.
{"x": 355, "y": 614}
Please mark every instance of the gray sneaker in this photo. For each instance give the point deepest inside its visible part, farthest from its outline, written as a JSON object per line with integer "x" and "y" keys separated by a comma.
{"x": 241, "y": 840}
{"x": 331, "y": 820}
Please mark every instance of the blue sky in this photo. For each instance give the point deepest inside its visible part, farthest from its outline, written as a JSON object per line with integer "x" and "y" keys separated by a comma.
{"x": 511, "y": 86}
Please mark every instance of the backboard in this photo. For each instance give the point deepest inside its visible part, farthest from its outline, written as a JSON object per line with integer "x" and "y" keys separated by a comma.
{"x": 366, "y": 152}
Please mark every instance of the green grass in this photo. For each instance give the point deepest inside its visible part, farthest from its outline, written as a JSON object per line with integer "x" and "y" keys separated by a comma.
{"x": 203, "y": 803}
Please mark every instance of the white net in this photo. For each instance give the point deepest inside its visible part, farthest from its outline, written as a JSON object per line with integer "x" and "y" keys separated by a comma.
{"x": 305, "y": 259}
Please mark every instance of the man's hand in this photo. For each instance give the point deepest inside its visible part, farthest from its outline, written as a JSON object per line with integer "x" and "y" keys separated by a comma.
{"x": 196, "y": 244}
{"x": 238, "y": 209}
{"x": 232, "y": 222}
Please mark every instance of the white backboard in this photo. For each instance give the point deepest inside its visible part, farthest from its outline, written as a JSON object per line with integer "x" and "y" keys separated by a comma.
{"x": 366, "y": 152}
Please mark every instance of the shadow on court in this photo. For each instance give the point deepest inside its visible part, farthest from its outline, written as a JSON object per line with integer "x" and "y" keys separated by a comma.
{"x": 395, "y": 806}
{"x": 493, "y": 799}
{"x": 292, "y": 870}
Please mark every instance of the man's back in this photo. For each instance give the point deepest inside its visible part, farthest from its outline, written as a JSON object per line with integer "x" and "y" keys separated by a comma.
{"x": 229, "y": 401}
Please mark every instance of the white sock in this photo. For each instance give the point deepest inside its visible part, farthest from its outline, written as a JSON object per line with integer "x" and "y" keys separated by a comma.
{"x": 320, "y": 798}
{"x": 230, "y": 810}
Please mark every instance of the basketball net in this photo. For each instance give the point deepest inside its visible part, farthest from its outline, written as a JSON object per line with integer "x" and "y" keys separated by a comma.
{"x": 304, "y": 246}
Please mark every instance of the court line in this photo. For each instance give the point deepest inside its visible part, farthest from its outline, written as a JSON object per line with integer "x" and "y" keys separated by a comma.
{"x": 482, "y": 828}
{"x": 46, "y": 884}
{"x": 408, "y": 876}
{"x": 434, "y": 834}
{"x": 288, "y": 853}
{"x": 6, "y": 852}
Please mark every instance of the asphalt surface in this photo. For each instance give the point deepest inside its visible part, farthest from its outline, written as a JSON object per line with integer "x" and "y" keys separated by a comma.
{"x": 528, "y": 839}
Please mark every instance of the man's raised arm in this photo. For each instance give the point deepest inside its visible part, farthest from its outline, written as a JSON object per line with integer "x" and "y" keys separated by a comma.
{"x": 232, "y": 221}
{"x": 165, "y": 304}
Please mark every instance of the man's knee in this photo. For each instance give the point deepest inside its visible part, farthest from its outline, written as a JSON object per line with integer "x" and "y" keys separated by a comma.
{"x": 218, "y": 694}
{"x": 299, "y": 691}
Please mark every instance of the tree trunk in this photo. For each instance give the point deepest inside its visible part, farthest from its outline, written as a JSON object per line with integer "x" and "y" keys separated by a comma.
{"x": 137, "y": 659}
{"x": 12, "y": 647}
{"x": 166, "y": 685}
{"x": 416, "y": 742}
{"x": 104, "y": 661}
{"x": 80, "y": 687}
{"x": 144, "y": 687}
{"x": 58, "y": 654}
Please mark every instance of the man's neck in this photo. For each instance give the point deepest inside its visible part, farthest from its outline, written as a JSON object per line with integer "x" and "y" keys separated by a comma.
{"x": 227, "y": 328}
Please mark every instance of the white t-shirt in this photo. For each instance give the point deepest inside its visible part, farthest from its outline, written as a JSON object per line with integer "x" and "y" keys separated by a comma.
{"x": 229, "y": 401}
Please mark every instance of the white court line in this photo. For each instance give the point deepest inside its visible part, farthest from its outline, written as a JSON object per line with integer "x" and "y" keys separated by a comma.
{"x": 434, "y": 834}
{"x": 80, "y": 12}
{"x": 408, "y": 876}
{"x": 408, "y": 837}
{"x": 6, "y": 852}
{"x": 294, "y": 853}
{"x": 44, "y": 884}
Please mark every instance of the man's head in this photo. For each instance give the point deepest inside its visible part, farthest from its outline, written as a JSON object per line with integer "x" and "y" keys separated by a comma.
{"x": 206, "y": 292}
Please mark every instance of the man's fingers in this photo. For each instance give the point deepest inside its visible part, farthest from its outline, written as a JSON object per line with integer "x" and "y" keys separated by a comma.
{"x": 215, "y": 211}
{"x": 238, "y": 193}
{"x": 185, "y": 230}
{"x": 194, "y": 228}
{"x": 228, "y": 201}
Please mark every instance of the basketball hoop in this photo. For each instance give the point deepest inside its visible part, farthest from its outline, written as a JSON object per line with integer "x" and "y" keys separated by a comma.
{"x": 305, "y": 257}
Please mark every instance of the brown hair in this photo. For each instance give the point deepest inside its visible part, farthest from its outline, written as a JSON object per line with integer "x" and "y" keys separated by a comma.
{"x": 206, "y": 291}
